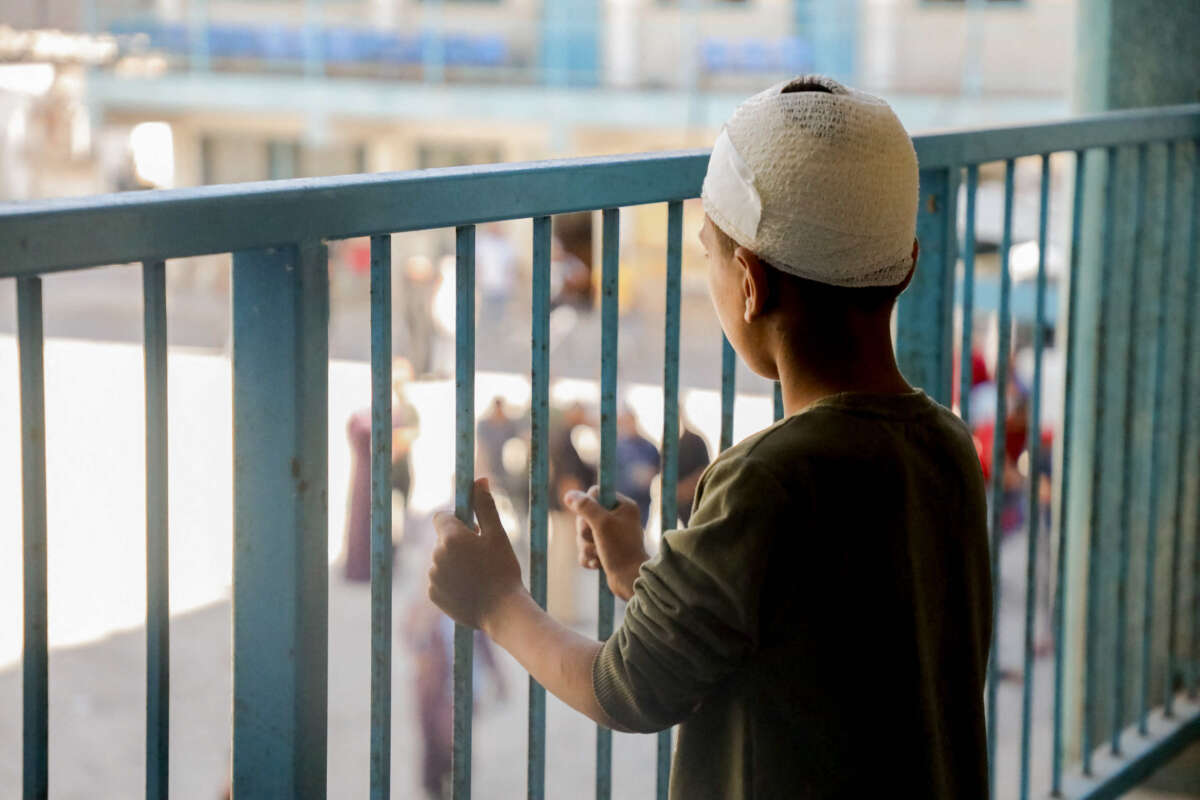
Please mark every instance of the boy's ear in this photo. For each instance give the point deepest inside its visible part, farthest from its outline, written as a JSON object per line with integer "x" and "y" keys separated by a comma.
{"x": 753, "y": 283}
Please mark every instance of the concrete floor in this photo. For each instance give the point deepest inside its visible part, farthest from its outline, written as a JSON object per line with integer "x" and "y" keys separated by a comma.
{"x": 1173, "y": 781}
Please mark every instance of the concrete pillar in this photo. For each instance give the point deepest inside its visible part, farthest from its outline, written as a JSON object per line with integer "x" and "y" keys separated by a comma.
{"x": 831, "y": 28}
{"x": 1130, "y": 53}
{"x": 623, "y": 42}
{"x": 572, "y": 39}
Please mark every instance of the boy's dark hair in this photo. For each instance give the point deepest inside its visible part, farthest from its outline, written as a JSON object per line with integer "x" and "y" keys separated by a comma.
{"x": 807, "y": 84}
{"x": 861, "y": 298}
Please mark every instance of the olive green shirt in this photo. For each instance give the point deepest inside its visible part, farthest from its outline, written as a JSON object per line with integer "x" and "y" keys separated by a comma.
{"x": 821, "y": 628}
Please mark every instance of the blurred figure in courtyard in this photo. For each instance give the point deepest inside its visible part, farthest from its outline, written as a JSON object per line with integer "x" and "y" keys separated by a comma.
{"x": 418, "y": 286}
{"x": 637, "y": 462}
{"x": 693, "y": 460}
{"x": 444, "y": 310}
{"x": 405, "y": 428}
{"x": 570, "y": 279}
{"x": 501, "y": 455}
{"x": 496, "y": 272}
{"x": 1018, "y": 477}
{"x": 568, "y": 471}
{"x": 429, "y": 635}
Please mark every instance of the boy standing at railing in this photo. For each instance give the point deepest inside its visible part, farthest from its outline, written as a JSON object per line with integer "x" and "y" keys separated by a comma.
{"x": 820, "y": 629}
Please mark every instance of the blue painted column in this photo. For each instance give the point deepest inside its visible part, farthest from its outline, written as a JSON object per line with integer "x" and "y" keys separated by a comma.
{"x": 571, "y": 51}
{"x": 314, "y": 55}
{"x": 433, "y": 55}
{"x": 1131, "y": 53}
{"x": 830, "y": 28}
{"x": 925, "y": 324}
{"x": 198, "y": 35}
{"x": 281, "y": 508}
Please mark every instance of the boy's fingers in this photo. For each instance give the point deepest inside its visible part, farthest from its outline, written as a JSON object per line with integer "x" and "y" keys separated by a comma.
{"x": 445, "y": 523}
{"x": 585, "y": 506}
{"x": 583, "y": 531}
{"x": 585, "y": 544}
{"x": 485, "y": 509}
{"x": 627, "y": 503}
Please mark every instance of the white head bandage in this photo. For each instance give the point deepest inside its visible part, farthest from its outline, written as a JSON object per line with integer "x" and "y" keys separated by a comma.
{"x": 819, "y": 183}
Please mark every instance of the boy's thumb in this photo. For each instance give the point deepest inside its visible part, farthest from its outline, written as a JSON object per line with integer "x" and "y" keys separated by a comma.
{"x": 584, "y": 505}
{"x": 485, "y": 509}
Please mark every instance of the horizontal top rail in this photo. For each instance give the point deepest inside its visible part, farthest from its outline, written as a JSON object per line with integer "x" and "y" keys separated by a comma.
{"x": 1110, "y": 129}
{"x": 45, "y": 236}
{"x": 51, "y": 235}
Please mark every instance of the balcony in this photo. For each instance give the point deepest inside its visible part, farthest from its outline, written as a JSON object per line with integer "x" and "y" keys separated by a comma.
{"x": 1120, "y": 534}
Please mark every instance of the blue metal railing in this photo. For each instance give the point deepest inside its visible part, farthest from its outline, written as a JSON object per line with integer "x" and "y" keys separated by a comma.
{"x": 280, "y": 318}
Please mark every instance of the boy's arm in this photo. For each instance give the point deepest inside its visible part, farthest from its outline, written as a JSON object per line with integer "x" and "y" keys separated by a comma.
{"x": 476, "y": 580}
{"x": 557, "y": 657}
{"x": 693, "y": 620}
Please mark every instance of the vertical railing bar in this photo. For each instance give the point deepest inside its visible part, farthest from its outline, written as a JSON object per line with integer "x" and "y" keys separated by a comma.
{"x": 34, "y": 653}
{"x": 608, "y": 454}
{"x": 1181, "y": 464}
{"x": 1004, "y": 324}
{"x": 777, "y": 400}
{"x": 1092, "y": 620}
{"x": 464, "y": 471}
{"x": 158, "y": 606}
{"x": 381, "y": 517}
{"x": 1035, "y": 506}
{"x": 1126, "y": 501}
{"x": 1193, "y": 265}
{"x": 539, "y": 484}
{"x": 1156, "y": 421}
{"x": 670, "y": 437}
{"x": 728, "y": 388}
{"x": 1064, "y": 492}
{"x": 968, "y": 299}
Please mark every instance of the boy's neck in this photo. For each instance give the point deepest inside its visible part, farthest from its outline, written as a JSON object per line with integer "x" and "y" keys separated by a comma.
{"x": 855, "y": 358}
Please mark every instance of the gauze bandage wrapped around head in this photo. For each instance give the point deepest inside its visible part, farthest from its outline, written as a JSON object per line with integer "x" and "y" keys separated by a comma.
{"x": 818, "y": 180}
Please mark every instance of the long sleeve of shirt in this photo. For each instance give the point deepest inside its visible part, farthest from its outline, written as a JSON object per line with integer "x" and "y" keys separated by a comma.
{"x": 694, "y": 615}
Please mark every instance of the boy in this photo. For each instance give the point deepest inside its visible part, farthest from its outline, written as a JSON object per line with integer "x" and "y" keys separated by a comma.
{"x": 820, "y": 629}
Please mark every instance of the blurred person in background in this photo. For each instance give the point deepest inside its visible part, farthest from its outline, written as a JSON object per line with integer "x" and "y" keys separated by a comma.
{"x": 443, "y": 312}
{"x": 568, "y": 471}
{"x": 495, "y": 271}
{"x": 498, "y": 437}
{"x": 693, "y": 460}
{"x": 429, "y": 635}
{"x": 405, "y": 429}
{"x": 979, "y": 375}
{"x": 570, "y": 279}
{"x": 418, "y": 286}
{"x": 637, "y": 462}
{"x": 406, "y": 426}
